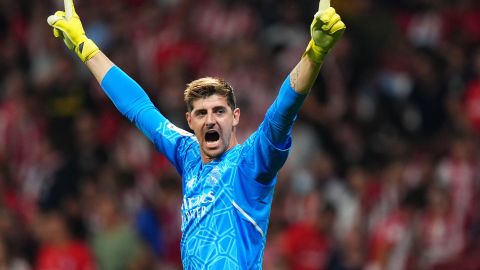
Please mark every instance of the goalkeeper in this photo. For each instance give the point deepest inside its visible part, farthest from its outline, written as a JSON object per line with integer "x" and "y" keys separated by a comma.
{"x": 227, "y": 187}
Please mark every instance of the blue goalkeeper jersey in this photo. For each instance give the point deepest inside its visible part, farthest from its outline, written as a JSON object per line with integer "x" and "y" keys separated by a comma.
{"x": 226, "y": 202}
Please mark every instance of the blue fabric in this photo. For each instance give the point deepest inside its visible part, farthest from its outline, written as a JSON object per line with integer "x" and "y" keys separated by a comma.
{"x": 226, "y": 203}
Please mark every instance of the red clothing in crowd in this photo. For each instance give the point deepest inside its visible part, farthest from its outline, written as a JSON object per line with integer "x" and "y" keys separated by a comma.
{"x": 306, "y": 247}
{"x": 73, "y": 256}
{"x": 391, "y": 241}
{"x": 442, "y": 239}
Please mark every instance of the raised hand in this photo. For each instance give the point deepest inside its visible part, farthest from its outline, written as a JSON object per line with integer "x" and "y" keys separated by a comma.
{"x": 67, "y": 25}
{"x": 326, "y": 28}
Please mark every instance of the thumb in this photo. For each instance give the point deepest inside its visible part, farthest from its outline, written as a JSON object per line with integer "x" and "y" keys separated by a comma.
{"x": 52, "y": 19}
{"x": 322, "y": 6}
{"x": 59, "y": 24}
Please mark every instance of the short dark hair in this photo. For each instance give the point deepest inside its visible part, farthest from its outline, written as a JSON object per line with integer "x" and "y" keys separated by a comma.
{"x": 208, "y": 86}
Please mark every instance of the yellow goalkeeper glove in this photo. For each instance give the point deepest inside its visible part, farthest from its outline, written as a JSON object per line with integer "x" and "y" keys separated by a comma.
{"x": 327, "y": 27}
{"x": 67, "y": 25}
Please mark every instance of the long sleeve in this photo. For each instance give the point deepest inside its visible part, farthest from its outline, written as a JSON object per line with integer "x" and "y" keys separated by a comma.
{"x": 282, "y": 114}
{"x": 132, "y": 101}
{"x": 267, "y": 149}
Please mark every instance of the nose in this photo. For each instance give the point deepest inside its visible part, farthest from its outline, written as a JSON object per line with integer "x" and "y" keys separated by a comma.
{"x": 210, "y": 121}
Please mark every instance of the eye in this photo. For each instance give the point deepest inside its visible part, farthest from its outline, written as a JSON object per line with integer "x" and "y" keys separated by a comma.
{"x": 200, "y": 113}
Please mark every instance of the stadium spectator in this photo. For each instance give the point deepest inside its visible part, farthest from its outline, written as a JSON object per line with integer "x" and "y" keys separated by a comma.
{"x": 399, "y": 63}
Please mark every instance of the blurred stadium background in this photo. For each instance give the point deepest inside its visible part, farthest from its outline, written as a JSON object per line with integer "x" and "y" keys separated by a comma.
{"x": 384, "y": 173}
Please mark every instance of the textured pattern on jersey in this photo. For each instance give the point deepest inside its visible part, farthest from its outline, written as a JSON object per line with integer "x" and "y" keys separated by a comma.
{"x": 217, "y": 235}
{"x": 208, "y": 221}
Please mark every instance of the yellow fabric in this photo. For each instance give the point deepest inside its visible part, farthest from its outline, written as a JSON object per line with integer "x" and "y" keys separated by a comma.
{"x": 72, "y": 33}
{"x": 326, "y": 28}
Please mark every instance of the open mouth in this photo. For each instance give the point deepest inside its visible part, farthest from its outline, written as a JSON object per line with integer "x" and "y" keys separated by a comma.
{"x": 212, "y": 136}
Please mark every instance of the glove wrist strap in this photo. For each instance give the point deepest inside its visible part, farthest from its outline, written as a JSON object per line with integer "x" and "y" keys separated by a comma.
{"x": 314, "y": 52}
{"x": 86, "y": 50}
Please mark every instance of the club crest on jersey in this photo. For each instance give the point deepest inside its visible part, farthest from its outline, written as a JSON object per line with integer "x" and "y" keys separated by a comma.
{"x": 190, "y": 184}
{"x": 214, "y": 177}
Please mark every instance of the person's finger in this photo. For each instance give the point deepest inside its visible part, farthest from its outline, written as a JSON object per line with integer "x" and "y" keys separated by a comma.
{"x": 56, "y": 33}
{"x": 333, "y": 20}
{"x": 52, "y": 19}
{"x": 323, "y": 5}
{"x": 324, "y": 15}
{"x": 338, "y": 27}
{"x": 327, "y": 15}
{"x": 58, "y": 22}
{"x": 69, "y": 9}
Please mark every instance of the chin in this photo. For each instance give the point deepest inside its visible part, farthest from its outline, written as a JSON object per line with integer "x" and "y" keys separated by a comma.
{"x": 212, "y": 154}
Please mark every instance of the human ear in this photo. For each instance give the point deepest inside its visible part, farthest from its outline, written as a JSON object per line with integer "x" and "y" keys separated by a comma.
{"x": 188, "y": 116}
{"x": 236, "y": 116}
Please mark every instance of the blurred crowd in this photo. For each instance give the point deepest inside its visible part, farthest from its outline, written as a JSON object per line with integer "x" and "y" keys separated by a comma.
{"x": 383, "y": 173}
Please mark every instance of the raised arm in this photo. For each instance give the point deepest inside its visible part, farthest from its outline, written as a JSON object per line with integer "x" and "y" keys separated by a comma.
{"x": 127, "y": 95}
{"x": 272, "y": 141}
{"x": 67, "y": 25}
{"x": 99, "y": 65}
{"x": 326, "y": 28}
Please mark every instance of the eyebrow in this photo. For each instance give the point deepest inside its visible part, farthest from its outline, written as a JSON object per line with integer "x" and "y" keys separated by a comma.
{"x": 216, "y": 108}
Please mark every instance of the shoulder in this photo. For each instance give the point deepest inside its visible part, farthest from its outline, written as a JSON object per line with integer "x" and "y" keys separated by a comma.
{"x": 249, "y": 142}
{"x": 169, "y": 130}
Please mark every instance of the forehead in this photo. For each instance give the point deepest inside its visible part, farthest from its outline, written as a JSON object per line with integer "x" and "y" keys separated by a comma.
{"x": 209, "y": 102}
